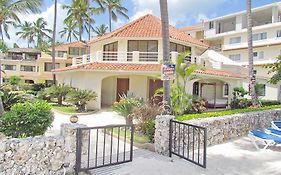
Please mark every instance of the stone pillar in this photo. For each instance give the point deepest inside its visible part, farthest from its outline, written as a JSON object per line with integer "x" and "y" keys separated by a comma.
{"x": 162, "y": 134}
{"x": 68, "y": 131}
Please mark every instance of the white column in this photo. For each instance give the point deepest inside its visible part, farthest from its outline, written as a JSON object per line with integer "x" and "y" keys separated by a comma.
{"x": 84, "y": 59}
{"x": 274, "y": 14}
{"x": 99, "y": 56}
{"x": 136, "y": 56}
{"x": 74, "y": 61}
{"x": 174, "y": 56}
{"x": 92, "y": 58}
{"x": 238, "y": 23}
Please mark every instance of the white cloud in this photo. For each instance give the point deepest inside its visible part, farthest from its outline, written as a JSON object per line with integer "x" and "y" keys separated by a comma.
{"x": 181, "y": 12}
{"x": 48, "y": 16}
{"x": 141, "y": 13}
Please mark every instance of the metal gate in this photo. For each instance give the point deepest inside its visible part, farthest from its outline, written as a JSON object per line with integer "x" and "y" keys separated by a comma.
{"x": 98, "y": 147}
{"x": 188, "y": 142}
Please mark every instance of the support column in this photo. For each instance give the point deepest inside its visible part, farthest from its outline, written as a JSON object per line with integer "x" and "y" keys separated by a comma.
{"x": 162, "y": 134}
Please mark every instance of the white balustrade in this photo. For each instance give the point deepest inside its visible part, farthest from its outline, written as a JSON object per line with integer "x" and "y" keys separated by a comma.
{"x": 174, "y": 56}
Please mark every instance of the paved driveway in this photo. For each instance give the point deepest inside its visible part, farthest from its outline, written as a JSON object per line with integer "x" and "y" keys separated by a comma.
{"x": 100, "y": 118}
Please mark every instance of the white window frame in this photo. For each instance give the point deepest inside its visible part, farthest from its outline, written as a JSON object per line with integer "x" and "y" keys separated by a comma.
{"x": 235, "y": 40}
{"x": 223, "y": 90}
{"x": 260, "y": 36}
{"x": 259, "y": 55}
{"x": 234, "y": 57}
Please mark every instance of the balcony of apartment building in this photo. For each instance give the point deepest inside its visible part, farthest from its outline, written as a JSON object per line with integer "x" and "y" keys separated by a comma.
{"x": 142, "y": 51}
{"x": 21, "y": 54}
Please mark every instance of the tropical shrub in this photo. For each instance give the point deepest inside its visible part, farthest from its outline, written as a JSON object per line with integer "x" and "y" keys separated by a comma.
{"x": 81, "y": 97}
{"x": 269, "y": 102}
{"x": 14, "y": 81}
{"x": 180, "y": 100}
{"x": 239, "y": 101}
{"x": 198, "y": 105}
{"x": 27, "y": 119}
{"x": 57, "y": 91}
{"x": 126, "y": 106}
{"x": 149, "y": 126}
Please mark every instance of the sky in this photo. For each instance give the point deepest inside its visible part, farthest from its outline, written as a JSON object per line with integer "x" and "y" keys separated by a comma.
{"x": 182, "y": 13}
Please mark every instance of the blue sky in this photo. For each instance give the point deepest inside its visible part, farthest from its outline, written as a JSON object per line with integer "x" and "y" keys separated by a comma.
{"x": 182, "y": 13}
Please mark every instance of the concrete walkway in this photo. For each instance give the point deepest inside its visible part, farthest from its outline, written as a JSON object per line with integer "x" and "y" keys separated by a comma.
{"x": 101, "y": 118}
{"x": 234, "y": 158}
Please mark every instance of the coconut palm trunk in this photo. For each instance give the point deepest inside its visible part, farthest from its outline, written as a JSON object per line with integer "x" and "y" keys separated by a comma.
{"x": 110, "y": 20}
{"x": 166, "y": 49}
{"x": 54, "y": 42}
{"x": 252, "y": 81}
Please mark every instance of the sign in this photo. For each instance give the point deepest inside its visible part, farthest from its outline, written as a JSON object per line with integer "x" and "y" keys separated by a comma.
{"x": 168, "y": 72}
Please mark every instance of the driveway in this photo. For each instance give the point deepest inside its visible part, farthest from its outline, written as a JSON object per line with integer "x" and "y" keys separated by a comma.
{"x": 101, "y": 118}
{"x": 237, "y": 157}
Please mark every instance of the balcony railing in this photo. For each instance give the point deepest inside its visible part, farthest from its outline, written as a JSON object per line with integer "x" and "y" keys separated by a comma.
{"x": 128, "y": 57}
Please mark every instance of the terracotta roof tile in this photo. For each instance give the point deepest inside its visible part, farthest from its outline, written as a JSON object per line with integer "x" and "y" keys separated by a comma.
{"x": 194, "y": 27}
{"x": 65, "y": 46}
{"x": 149, "y": 26}
{"x": 24, "y": 50}
{"x": 140, "y": 67}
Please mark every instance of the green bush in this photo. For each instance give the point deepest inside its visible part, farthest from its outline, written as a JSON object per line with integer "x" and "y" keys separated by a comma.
{"x": 223, "y": 113}
{"x": 269, "y": 102}
{"x": 149, "y": 126}
{"x": 27, "y": 119}
{"x": 57, "y": 91}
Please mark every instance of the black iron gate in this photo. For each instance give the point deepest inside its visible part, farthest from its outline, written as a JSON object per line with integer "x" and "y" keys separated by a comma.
{"x": 188, "y": 142}
{"x": 98, "y": 147}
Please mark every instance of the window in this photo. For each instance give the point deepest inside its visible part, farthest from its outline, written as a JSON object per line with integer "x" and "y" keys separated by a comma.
{"x": 9, "y": 67}
{"x": 28, "y": 68}
{"x": 225, "y": 90}
{"x": 60, "y": 53}
{"x": 278, "y": 35}
{"x": 174, "y": 47}
{"x": 258, "y": 55}
{"x": 68, "y": 64}
{"x": 74, "y": 51}
{"x": 112, "y": 47}
{"x": 29, "y": 81}
{"x": 143, "y": 46}
{"x": 48, "y": 67}
{"x": 260, "y": 89}
{"x": 235, "y": 40}
{"x": 211, "y": 24}
{"x": 196, "y": 88}
{"x": 235, "y": 57}
{"x": 260, "y": 36}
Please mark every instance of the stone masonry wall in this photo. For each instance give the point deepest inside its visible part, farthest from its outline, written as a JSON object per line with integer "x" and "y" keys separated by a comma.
{"x": 40, "y": 155}
{"x": 222, "y": 129}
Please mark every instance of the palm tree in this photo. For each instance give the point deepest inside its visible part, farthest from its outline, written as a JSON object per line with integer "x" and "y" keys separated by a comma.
{"x": 100, "y": 30}
{"x": 9, "y": 10}
{"x": 3, "y": 47}
{"x": 166, "y": 48}
{"x": 26, "y": 32}
{"x": 250, "y": 54}
{"x": 69, "y": 30}
{"x": 114, "y": 7}
{"x": 54, "y": 41}
{"x": 80, "y": 12}
{"x": 39, "y": 30}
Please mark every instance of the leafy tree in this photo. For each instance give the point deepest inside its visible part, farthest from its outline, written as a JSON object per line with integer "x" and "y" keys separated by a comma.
{"x": 58, "y": 91}
{"x": 9, "y": 10}
{"x": 40, "y": 31}
{"x": 101, "y": 30}
{"x": 3, "y": 47}
{"x": 14, "y": 81}
{"x": 80, "y": 12}
{"x": 26, "y": 32}
{"x": 69, "y": 30}
{"x": 113, "y": 7}
{"x": 81, "y": 97}
{"x": 275, "y": 68}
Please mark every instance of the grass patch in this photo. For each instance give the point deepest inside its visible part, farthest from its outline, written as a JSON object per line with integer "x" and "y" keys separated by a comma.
{"x": 223, "y": 113}
{"x": 138, "y": 138}
{"x": 64, "y": 109}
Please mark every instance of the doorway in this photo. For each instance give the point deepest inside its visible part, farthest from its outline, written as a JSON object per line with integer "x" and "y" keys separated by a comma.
{"x": 122, "y": 87}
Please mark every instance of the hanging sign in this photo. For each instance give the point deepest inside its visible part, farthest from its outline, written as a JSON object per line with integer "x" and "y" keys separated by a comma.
{"x": 168, "y": 72}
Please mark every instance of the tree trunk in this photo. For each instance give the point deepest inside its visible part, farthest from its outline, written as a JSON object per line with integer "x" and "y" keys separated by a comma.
{"x": 110, "y": 15}
{"x": 252, "y": 81}
{"x": 1, "y": 107}
{"x": 166, "y": 50}
{"x": 53, "y": 43}
{"x": 60, "y": 100}
{"x": 80, "y": 33}
{"x": 1, "y": 32}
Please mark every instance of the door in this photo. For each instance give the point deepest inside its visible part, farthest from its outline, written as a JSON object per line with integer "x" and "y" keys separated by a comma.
{"x": 153, "y": 86}
{"x": 122, "y": 87}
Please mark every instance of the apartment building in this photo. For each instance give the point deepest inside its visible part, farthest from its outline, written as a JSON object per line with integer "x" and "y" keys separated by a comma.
{"x": 228, "y": 36}
{"x": 34, "y": 66}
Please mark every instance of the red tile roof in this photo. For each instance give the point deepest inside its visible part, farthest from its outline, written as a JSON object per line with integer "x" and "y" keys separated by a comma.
{"x": 149, "y": 26}
{"x": 140, "y": 67}
{"x": 191, "y": 28}
{"x": 65, "y": 46}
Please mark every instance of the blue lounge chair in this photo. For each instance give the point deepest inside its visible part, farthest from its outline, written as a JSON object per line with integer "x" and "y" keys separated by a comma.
{"x": 273, "y": 131}
{"x": 276, "y": 125}
{"x": 266, "y": 139}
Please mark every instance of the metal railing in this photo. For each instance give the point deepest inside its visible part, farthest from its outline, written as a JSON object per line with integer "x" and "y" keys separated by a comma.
{"x": 188, "y": 142}
{"x": 99, "y": 147}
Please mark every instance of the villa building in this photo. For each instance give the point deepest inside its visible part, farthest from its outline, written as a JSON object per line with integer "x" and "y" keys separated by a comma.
{"x": 227, "y": 35}
{"x": 34, "y": 66}
{"x": 128, "y": 60}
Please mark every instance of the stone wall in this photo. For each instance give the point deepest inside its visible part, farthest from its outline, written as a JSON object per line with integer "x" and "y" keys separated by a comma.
{"x": 225, "y": 128}
{"x": 40, "y": 155}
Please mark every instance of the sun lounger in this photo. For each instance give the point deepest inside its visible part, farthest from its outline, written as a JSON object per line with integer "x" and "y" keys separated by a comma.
{"x": 262, "y": 137}
{"x": 276, "y": 125}
{"x": 273, "y": 131}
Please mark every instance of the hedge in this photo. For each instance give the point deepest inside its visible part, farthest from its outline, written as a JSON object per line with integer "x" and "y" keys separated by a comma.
{"x": 223, "y": 113}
